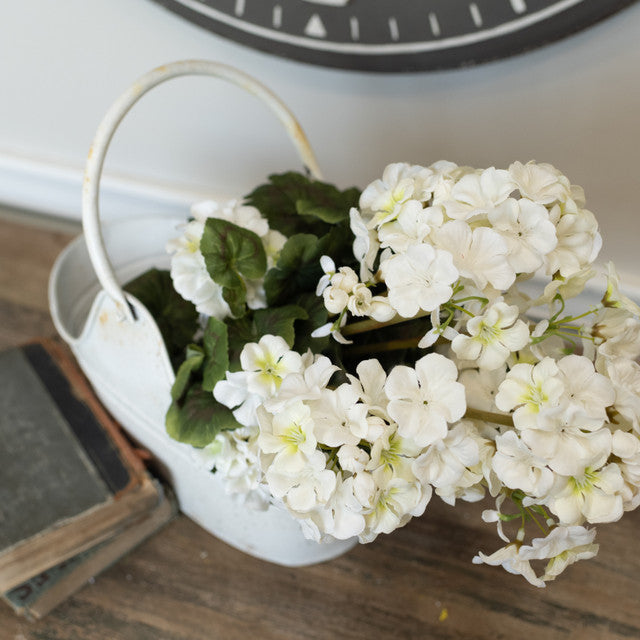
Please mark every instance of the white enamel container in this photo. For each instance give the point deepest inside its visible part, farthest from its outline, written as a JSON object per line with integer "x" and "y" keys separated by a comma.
{"x": 119, "y": 347}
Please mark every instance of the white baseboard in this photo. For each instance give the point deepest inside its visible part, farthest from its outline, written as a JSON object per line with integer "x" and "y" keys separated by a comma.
{"x": 55, "y": 189}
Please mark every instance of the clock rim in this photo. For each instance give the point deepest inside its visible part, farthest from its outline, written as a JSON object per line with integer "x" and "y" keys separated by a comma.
{"x": 566, "y": 22}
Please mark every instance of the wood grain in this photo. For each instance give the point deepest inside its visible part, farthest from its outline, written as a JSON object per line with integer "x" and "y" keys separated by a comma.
{"x": 184, "y": 584}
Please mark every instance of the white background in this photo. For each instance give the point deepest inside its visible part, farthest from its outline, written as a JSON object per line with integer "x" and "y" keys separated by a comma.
{"x": 575, "y": 104}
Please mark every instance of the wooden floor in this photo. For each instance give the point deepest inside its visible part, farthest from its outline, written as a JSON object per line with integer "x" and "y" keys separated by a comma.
{"x": 416, "y": 583}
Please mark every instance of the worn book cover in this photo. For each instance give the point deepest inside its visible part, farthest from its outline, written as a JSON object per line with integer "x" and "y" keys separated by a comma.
{"x": 68, "y": 477}
{"x": 35, "y": 597}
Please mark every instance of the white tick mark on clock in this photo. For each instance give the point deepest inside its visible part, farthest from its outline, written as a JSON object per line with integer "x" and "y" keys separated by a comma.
{"x": 393, "y": 29}
{"x": 239, "y": 10}
{"x": 476, "y": 16}
{"x": 355, "y": 28}
{"x": 315, "y": 27}
{"x": 276, "y": 19}
{"x": 434, "y": 24}
{"x": 519, "y": 6}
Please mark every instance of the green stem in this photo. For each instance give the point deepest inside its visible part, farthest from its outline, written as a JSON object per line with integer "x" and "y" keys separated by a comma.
{"x": 488, "y": 416}
{"x": 530, "y": 513}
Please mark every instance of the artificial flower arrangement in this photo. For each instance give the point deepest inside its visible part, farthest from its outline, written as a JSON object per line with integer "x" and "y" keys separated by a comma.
{"x": 348, "y": 354}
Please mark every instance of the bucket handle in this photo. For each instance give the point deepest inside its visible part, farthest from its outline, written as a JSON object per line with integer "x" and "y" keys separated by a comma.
{"x": 115, "y": 115}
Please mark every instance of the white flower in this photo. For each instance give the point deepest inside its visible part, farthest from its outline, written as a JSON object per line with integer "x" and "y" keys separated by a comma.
{"x": 384, "y": 198}
{"x": 370, "y": 385}
{"x": 595, "y": 496}
{"x": 569, "y": 287}
{"x": 365, "y": 244}
{"x": 481, "y": 387}
{"x": 587, "y": 393}
{"x": 232, "y": 211}
{"x": 394, "y": 455}
{"x": 569, "y": 451}
{"x": 479, "y": 192}
{"x": 527, "y": 230}
{"x": 479, "y": 254}
{"x": 305, "y": 490}
{"x": 338, "y": 416}
{"x": 189, "y": 273}
{"x": 510, "y": 558}
{"x": 273, "y": 241}
{"x": 335, "y": 299}
{"x": 533, "y": 389}
{"x": 492, "y": 337}
{"x": 540, "y": 182}
{"x": 564, "y": 546}
{"x": 336, "y": 296}
{"x": 359, "y": 302}
{"x": 421, "y": 278}
{"x": 494, "y": 515}
{"x": 234, "y": 455}
{"x": 307, "y": 384}
{"x": 343, "y": 516}
{"x": 352, "y": 458}
{"x": 396, "y": 501}
{"x": 289, "y": 435}
{"x": 256, "y": 295}
{"x": 621, "y": 333}
{"x": 625, "y": 376}
{"x": 626, "y": 446}
{"x": 518, "y": 468}
{"x": 578, "y": 244}
{"x": 329, "y": 268}
{"x": 233, "y": 392}
{"x": 412, "y": 226}
{"x": 267, "y": 362}
{"x": 423, "y": 400}
{"x": 613, "y": 297}
{"x": 345, "y": 278}
{"x": 444, "y": 462}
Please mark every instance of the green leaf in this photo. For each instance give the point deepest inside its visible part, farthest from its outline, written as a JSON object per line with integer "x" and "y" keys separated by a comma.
{"x": 177, "y": 319}
{"x": 324, "y": 213}
{"x": 192, "y": 363}
{"x": 231, "y": 252}
{"x": 297, "y": 271}
{"x": 199, "y": 419}
{"x": 236, "y": 299}
{"x": 277, "y": 199}
{"x": 240, "y": 331}
{"x": 294, "y": 203}
{"x": 278, "y": 321}
{"x": 216, "y": 348}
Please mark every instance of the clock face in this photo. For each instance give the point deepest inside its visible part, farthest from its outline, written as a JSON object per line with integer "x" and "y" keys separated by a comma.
{"x": 394, "y": 35}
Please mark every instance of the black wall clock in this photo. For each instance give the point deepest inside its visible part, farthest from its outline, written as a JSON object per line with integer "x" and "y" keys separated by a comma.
{"x": 394, "y": 35}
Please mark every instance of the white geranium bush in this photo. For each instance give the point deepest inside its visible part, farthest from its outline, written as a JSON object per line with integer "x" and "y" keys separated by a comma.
{"x": 359, "y": 352}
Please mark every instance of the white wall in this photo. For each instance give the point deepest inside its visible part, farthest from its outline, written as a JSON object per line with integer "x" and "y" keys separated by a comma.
{"x": 574, "y": 104}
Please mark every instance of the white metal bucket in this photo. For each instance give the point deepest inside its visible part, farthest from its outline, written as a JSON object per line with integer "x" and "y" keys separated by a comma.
{"x": 120, "y": 349}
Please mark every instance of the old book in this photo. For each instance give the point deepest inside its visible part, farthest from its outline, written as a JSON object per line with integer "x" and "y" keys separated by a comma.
{"x": 37, "y": 596}
{"x": 68, "y": 478}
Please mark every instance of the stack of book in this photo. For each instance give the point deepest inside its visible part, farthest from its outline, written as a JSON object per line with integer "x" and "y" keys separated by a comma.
{"x": 74, "y": 496}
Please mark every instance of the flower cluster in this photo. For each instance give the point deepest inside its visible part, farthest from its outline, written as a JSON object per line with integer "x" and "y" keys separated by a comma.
{"x": 189, "y": 273}
{"x": 456, "y": 367}
{"x": 555, "y": 402}
{"x": 363, "y": 457}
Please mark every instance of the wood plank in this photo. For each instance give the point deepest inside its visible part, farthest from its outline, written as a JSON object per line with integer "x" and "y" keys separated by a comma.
{"x": 185, "y": 584}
